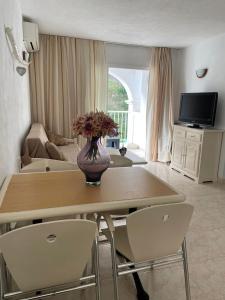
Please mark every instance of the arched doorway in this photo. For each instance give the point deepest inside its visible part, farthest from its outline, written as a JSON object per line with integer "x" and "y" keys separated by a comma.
{"x": 118, "y": 105}
{"x": 132, "y": 88}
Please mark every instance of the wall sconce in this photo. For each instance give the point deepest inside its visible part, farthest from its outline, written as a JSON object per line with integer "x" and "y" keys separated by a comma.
{"x": 200, "y": 73}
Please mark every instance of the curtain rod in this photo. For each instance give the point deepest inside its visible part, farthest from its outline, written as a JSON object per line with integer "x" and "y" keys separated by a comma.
{"x": 126, "y": 44}
{"x": 150, "y": 47}
{"x": 112, "y": 43}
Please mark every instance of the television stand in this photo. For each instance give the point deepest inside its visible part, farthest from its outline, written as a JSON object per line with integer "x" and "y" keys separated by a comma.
{"x": 196, "y": 152}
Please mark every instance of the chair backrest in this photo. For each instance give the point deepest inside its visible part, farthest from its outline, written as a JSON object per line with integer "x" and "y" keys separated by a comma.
{"x": 158, "y": 231}
{"x": 48, "y": 254}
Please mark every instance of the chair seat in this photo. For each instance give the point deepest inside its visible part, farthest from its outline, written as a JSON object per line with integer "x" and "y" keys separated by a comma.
{"x": 122, "y": 244}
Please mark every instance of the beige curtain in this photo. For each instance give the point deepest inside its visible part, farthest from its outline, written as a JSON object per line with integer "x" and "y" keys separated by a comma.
{"x": 68, "y": 77}
{"x": 159, "y": 107}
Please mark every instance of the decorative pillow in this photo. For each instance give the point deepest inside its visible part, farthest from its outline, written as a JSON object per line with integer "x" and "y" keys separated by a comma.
{"x": 57, "y": 139}
{"x": 26, "y": 159}
{"x": 53, "y": 151}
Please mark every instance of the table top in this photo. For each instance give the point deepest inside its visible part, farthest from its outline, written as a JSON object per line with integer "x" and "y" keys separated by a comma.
{"x": 40, "y": 195}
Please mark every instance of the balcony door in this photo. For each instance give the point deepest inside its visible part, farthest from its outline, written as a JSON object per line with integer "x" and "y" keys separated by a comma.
{"x": 127, "y": 99}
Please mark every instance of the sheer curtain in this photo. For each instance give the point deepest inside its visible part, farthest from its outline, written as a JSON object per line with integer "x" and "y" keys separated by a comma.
{"x": 68, "y": 77}
{"x": 159, "y": 106}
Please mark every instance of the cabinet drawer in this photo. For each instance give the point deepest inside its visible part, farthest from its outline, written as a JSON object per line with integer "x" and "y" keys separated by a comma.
{"x": 194, "y": 136}
{"x": 179, "y": 132}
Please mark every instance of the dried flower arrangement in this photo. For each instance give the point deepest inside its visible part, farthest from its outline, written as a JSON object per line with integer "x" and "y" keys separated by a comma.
{"x": 95, "y": 124}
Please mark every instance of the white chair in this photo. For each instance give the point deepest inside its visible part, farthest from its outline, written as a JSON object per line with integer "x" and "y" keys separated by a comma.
{"x": 152, "y": 236}
{"x": 44, "y": 258}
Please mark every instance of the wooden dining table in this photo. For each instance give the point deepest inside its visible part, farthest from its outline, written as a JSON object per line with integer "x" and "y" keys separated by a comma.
{"x": 29, "y": 196}
{"x": 32, "y": 196}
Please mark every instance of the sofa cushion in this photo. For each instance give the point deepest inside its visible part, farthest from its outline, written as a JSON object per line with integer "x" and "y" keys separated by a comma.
{"x": 57, "y": 139}
{"x": 37, "y": 131}
{"x": 53, "y": 151}
{"x": 70, "y": 152}
{"x": 34, "y": 145}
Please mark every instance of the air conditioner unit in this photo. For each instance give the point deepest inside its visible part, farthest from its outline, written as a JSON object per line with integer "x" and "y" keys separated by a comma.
{"x": 31, "y": 36}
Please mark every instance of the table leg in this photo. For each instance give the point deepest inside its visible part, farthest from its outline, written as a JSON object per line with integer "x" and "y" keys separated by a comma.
{"x": 141, "y": 293}
{"x": 5, "y": 276}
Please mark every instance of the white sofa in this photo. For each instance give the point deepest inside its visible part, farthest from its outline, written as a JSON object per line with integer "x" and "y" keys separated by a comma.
{"x": 34, "y": 146}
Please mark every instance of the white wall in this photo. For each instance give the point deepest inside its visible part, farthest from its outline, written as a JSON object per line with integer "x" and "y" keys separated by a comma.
{"x": 208, "y": 54}
{"x": 125, "y": 56}
{"x": 14, "y": 92}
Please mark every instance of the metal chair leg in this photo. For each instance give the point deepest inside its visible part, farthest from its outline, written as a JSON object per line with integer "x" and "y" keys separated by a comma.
{"x": 2, "y": 278}
{"x": 114, "y": 268}
{"x": 186, "y": 272}
{"x": 97, "y": 273}
{"x": 98, "y": 221}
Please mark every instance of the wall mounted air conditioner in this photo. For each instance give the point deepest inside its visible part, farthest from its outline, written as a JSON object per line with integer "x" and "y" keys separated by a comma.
{"x": 31, "y": 36}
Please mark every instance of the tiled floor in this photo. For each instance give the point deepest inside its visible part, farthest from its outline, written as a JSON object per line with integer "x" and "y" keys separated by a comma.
{"x": 205, "y": 242}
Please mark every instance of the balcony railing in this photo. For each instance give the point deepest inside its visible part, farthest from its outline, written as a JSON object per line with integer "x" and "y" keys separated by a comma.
{"x": 121, "y": 118}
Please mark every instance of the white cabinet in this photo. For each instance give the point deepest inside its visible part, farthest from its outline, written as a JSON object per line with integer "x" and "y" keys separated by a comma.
{"x": 191, "y": 158}
{"x": 178, "y": 152}
{"x": 196, "y": 152}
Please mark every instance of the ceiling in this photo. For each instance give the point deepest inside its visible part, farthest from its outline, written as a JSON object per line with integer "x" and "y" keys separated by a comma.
{"x": 171, "y": 23}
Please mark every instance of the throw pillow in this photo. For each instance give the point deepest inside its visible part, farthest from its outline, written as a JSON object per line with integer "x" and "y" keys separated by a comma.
{"x": 53, "y": 151}
{"x": 57, "y": 139}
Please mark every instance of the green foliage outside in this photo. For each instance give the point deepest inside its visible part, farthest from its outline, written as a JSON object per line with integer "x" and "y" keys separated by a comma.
{"x": 117, "y": 95}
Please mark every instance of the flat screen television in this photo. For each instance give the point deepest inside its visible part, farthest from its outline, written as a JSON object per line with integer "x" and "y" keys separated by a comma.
{"x": 198, "y": 108}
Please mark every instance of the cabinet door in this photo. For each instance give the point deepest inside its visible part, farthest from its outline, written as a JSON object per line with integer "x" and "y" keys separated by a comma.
{"x": 177, "y": 153}
{"x": 191, "y": 161}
